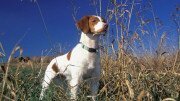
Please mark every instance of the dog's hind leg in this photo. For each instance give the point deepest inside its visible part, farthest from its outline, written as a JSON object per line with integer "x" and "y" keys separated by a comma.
{"x": 51, "y": 71}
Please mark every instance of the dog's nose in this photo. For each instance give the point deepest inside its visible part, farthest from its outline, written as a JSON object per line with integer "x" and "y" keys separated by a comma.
{"x": 106, "y": 25}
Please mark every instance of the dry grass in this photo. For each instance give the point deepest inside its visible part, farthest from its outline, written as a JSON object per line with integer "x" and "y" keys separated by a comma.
{"x": 146, "y": 79}
{"x": 124, "y": 77}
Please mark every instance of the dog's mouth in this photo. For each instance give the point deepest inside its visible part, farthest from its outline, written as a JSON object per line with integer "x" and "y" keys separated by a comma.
{"x": 105, "y": 28}
{"x": 102, "y": 31}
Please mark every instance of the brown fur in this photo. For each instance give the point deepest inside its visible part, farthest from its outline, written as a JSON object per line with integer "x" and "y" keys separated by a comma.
{"x": 92, "y": 22}
{"x": 69, "y": 55}
{"x": 55, "y": 68}
{"x": 86, "y": 24}
{"x": 83, "y": 24}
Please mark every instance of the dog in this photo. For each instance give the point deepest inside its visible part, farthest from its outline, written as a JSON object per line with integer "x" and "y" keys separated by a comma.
{"x": 83, "y": 61}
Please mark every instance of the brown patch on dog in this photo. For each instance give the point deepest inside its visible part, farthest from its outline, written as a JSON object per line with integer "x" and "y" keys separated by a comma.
{"x": 55, "y": 68}
{"x": 83, "y": 24}
{"x": 87, "y": 23}
{"x": 92, "y": 22}
{"x": 69, "y": 55}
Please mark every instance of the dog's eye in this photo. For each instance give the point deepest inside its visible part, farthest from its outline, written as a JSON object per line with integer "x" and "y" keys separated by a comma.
{"x": 94, "y": 20}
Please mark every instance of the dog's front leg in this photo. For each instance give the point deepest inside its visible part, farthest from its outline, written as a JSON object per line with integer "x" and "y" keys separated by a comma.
{"x": 76, "y": 78}
{"x": 74, "y": 84}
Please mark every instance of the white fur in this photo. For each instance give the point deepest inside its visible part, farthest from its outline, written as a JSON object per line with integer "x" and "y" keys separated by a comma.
{"x": 82, "y": 65}
{"x": 99, "y": 25}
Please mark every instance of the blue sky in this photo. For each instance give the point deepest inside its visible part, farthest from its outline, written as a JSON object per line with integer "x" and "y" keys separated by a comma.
{"x": 22, "y": 16}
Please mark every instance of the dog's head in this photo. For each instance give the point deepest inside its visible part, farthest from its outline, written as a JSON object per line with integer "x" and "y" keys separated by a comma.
{"x": 92, "y": 24}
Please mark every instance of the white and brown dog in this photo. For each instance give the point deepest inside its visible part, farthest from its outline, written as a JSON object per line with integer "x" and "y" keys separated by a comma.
{"x": 83, "y": 61}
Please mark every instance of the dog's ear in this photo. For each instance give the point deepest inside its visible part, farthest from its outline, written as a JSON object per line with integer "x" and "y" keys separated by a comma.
{"x": 83, "y": 24}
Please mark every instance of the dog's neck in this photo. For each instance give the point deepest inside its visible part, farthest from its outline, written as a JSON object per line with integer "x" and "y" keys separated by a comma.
{"x": 89, "y": 40}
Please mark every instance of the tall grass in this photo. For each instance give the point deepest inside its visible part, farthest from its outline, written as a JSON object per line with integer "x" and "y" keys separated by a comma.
{"x": 145, "y": 79}
{"x": 132, "y": 68}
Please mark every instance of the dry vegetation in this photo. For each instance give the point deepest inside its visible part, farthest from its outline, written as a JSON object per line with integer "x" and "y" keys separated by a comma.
{"x": 149, "y": 78}
{"x": 130, "y": 72}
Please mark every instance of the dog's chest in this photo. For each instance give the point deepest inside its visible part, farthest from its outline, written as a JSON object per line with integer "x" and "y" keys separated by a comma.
{"x": 83, "y": 58}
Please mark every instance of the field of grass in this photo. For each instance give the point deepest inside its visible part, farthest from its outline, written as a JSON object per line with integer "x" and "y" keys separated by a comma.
{"x": 124, "y": 79}
{"x": 139, "y": 62}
